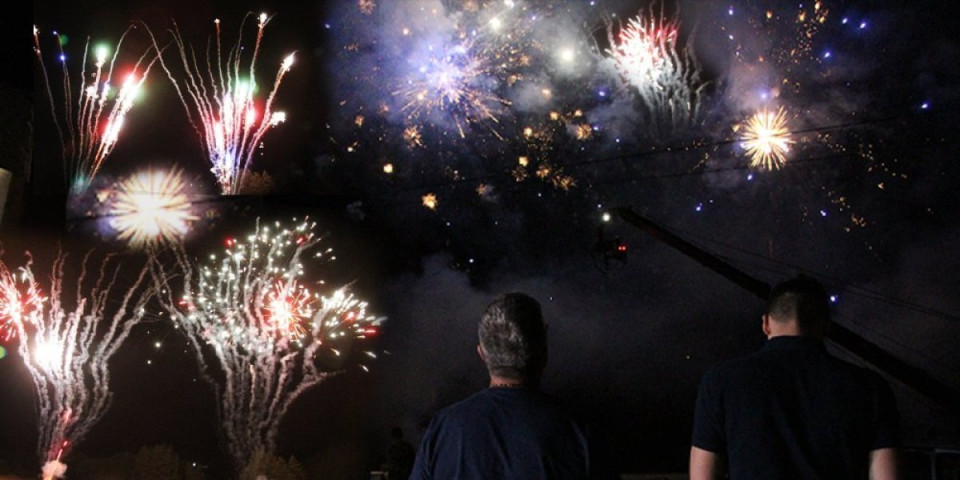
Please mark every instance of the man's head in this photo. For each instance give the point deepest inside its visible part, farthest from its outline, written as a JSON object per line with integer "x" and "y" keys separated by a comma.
{"x": 513, "y": 338}
{"x": 798, "y": 306}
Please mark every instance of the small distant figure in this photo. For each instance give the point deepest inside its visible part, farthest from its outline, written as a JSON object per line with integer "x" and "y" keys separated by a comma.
{"x": 792, "y": 410}
{"x": 510, "y": 430}
{"x": 400, "y": 456}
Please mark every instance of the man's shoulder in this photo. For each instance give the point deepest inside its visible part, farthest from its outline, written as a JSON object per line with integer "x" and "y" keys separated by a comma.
{"x": 488, "y": 403}
{"x": 736, "y": 366}
{"x": 763, "y": 362}
{"x": 462, "y": 407}
{"x": 856, "y": 373}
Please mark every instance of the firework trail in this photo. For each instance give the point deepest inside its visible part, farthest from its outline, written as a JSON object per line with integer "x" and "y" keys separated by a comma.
{"x": 260, "y": 332}
{"x": 766, "y": 139}
{"x": 95, "y": 113}
{"x": 664, "y": 76}
{"x": 150, "y": 208}
{"x": 66, "y": 340}
{"x": 219, "y": 97}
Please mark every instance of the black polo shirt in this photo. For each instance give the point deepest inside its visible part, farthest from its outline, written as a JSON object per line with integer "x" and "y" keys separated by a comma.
{"x": 792, "y": 410}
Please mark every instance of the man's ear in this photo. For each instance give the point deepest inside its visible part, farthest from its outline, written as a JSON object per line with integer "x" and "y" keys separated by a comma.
{"x": 480, "y": 352}
{"x": 766, "y": 325}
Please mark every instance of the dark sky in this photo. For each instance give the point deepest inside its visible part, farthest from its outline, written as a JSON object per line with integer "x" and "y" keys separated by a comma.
{"x": 867, "y": 202}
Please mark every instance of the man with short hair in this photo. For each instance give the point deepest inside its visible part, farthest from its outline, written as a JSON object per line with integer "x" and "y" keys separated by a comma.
{"x": 792, "y": 410}
{"x": 509, "y": 430}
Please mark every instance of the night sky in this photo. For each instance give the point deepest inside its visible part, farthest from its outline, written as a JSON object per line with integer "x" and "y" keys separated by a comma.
{"x": 545, "y": 137}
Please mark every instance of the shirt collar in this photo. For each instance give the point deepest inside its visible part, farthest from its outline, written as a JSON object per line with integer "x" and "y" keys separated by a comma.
{"x": 794, "y": 342}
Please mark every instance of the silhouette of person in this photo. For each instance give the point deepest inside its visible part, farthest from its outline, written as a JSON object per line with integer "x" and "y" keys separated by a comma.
{"x": 400, "y": 456}
{"x": 792, "y": 410}
{"x": 510, "y": 430}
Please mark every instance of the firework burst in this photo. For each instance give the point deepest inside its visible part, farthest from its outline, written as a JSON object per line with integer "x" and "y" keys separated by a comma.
{"x": 66, "y": 341}
{"x": 665, "y": 76}
{"x": 221, "y": 104}
{"x": 150, "y": 208}
{"x": 289, "y": 304}
{"x": 259, "y": 331}
{"x": 766, "y": 139}
{"x": 90, "y": 119}
{"x": 456, "y": 79}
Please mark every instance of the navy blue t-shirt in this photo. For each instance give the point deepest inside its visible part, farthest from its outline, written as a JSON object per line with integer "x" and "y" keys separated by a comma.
{"x": 504, "y": 433}
{"x": 793, "y": 411}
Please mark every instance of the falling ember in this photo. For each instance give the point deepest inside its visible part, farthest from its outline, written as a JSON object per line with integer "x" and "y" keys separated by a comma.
{"x": 222, "y": 106}
{"x": 563, "y": 182}
{"x": 412, "y": 135}
{"x": 258, "y": 316}
{"x": 584, "y": 131}
{"x": 429, "y": 201}
{"x": 484, "y": 190}
{"x": 519, "y": 174}
{"x": 766, "y": 139}
{"x": 366, "y": 6}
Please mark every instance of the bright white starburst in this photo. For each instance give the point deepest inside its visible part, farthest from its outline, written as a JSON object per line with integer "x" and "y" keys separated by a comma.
{"x": 151, "y": 208}
{"x": 766, "y": 139}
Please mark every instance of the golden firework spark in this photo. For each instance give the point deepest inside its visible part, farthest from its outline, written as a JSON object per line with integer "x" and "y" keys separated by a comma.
{"x": 413, "y": 137}
{"x": 584, "y": 131}
{"x": 766, "y": 139}
{"x": 366, "y": 6}
{"x": 430, "y": 201}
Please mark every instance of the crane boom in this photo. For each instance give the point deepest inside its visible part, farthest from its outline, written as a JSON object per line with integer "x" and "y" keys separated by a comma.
{"x": 911, "y": 376}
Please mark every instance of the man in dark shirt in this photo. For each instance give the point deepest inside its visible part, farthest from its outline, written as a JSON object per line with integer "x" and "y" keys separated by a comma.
{"x": 791, "y": 410}
{"x": 510, "y": 430}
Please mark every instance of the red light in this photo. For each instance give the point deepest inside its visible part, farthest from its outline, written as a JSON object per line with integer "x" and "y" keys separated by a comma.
{"x": 231, "y": 242}
{"x": 621, "y": 248}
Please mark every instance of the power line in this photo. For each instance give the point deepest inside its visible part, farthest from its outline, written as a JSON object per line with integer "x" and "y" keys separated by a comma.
{"x": 862, "y": 291}
{"x": 670, "y": 150}
{"x": 870, "y": 294}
